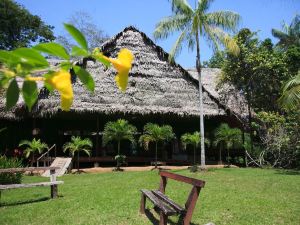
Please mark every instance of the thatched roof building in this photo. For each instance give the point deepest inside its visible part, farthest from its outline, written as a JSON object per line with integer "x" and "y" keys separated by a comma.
{"x": 155, "y": 86}
{"x": 157, "y": 92}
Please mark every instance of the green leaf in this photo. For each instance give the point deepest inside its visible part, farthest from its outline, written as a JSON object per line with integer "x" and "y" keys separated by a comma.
{"x": 53, "y": 49}
{"x": 77, "y": 35}
{"x": 66, "y": 65}
{"x": 9, "y": 58}
{"x": 85, "y": 77}
{"x": 101, "y": 59}
{"x": 30, "y": 93}
{"x": 76, "y": 51}
{"x": 31, "y": 57}
{"x": 12, "y": 94}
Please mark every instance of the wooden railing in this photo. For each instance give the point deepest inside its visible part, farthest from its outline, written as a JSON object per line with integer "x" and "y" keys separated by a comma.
{"x": 44, "y": 155}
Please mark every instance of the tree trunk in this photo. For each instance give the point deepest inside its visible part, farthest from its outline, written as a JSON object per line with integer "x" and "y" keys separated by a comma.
{"x": 228, "y": 157}
{"x": 78, "y": 161}
{"x": 118, "y": 159}
{"x": 155, "y": 155}
{"x": 194, "y": 155}
{"x": 220, "y": 155}
{"x": 198, "y": 66}
{"x": 32, "y": 159}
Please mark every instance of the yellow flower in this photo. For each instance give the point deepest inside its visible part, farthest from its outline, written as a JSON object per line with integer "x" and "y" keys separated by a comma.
{"x": 61, "y": 81}
{"x": 35, "y": 78}
{"x": 122, "y": 64}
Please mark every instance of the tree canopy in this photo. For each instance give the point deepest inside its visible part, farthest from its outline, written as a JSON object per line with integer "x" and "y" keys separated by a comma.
{"x": 19, "y": 28}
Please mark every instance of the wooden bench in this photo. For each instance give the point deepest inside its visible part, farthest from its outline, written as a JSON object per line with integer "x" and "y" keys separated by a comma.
{"x": 168, "y": 207}
{"x": 53, "y": 182}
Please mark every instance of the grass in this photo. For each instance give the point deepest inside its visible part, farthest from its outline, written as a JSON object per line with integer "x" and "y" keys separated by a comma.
{"x": 231, "y": 196}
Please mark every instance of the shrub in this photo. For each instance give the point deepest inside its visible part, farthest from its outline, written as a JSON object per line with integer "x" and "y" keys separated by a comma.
{"x": 10, "y": 178}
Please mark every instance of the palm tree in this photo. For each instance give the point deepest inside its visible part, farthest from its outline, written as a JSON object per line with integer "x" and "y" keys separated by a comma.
{"x": 33, "y": 147}
{"x": 290, "y": 34}
{"x": 78, "y": 145}
{"x": 290, "y": 98}
{"x": 227, "y": 137}
{"x": 118, "y": 131}
{"x": 193, "y": 24}
{"x": 192, "y": 139}
{"x": 155, "y": 133}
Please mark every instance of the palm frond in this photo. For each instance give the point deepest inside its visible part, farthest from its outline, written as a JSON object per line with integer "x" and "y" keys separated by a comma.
{"x": 227, "y": 20}
{"x": 177, "y": 46}
{"x": 169, "y": 25}
{"x": 181, "y": 6}
{"x": 117, "y": 131}
{"x": 218, "y": 35}
{"x": 290, "y": 98}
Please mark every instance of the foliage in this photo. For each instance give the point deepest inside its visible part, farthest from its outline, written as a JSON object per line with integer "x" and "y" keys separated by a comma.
{"x": 280, "y": 140}
{"x": 157, "y": 134}
{"x": 193, "y": 139}
{"x": 193, "y": 24}
{"x": 77, "y": 145}
{"x": 290, "y": 98}
{"x": 28, "y": 63}
{"x": 258, "y": 71}
{"x": 10, "y": 178}
{"x": 227, "y": 138}
{"x": 216, "y": 61}
{"x": 290, "y": 34}
{"x": 19, "y": 28}
{"x": 117, "y": 131}
{"x": 84, "y": 22}
{"x": 33, "y": 147}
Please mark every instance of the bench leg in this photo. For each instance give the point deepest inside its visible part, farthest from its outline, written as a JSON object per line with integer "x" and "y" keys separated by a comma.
{"x": 54, "y": 191}
{"x": 163, "y": 219}
{"x": 143, "y": 202}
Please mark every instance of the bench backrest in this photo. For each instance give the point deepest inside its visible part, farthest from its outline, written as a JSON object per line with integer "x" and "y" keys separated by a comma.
{"x": 189, "y": 180}
{"x": 193, "y": 196}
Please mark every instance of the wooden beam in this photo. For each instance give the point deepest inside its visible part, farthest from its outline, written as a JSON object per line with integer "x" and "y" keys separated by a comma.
{"x": 189, "y": 180}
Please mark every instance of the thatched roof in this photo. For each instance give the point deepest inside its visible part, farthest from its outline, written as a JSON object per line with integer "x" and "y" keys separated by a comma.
{"x": 155, "y": 86}
{"x": 227, "y": 95}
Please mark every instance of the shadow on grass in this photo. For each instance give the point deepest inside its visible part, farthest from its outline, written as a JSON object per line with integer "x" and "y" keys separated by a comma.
{"x": 155, "y": 221}
{"x": 25, "y": 202}
{"x": 288, "y": 172}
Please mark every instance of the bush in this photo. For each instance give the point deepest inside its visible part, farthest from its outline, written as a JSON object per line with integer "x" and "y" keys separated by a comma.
{"x": 10, "y": 178}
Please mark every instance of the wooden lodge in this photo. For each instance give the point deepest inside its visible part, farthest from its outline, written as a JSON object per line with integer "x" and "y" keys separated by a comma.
{"x": 157, "y": 92}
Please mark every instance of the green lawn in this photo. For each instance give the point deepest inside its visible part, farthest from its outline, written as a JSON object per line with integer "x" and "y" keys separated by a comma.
{"x": 231, "y": 196}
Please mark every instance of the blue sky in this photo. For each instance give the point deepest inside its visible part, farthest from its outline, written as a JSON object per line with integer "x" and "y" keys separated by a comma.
{"x": 114, "y": 15}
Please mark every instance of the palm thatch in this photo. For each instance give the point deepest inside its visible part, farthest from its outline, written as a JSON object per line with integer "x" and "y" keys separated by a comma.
{"x": 155, "y": 86}
{"x": 226, "y": 95}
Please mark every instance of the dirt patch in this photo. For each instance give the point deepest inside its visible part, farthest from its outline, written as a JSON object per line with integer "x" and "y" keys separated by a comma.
{"x": 140, "y": 168}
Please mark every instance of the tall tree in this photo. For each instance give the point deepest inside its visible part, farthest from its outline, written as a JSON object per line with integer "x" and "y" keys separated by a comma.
{"x": 193, "y": 24}
{"x": 77, "y": 145}
{"x": 33, "y": 147}
{"x": 289, "y": 35}
{"x": 157, "y": 134}
{"x": 83, "y": 21}
{"x": 117, "y": 131}
{"x": 19, "y": 28}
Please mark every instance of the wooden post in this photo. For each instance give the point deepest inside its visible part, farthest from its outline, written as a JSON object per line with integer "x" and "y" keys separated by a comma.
{"x": 163, "y": 219}
{"x": 143, "y": 203}
{"x": 54, "y": 186}
{"x": 97, "y": 138}
{"x": 190, "y": 204}
{"x": 163, "y": 183}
